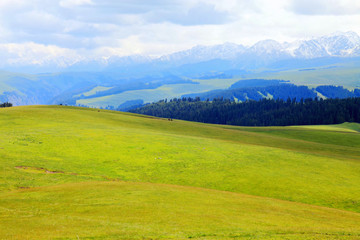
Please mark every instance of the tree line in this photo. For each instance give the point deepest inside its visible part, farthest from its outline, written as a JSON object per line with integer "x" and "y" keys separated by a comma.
{"x": 5, "y": 104}
{"x": 265, "y": 112}
{"x": 277, "y": 91}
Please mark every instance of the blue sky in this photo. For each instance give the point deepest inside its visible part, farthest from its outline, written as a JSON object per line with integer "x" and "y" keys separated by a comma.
{"x": 66, "y": 31}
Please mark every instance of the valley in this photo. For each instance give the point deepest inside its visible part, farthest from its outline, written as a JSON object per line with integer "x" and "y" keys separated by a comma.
{"x": 126, "y": 82}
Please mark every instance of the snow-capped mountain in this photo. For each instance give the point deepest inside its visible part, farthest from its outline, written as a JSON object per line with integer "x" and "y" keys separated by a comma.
{"x": 335, "y": 45}
{"x": 262, "y": 53}
{"x": 265, "y": 47}
{"x": 308, "y": 49}
{"x": 205, "y": 53}
{"x": 340, "y": 44}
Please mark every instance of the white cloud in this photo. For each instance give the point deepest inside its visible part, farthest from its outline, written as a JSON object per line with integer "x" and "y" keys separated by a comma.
{"x": 11, "y": 3}
{"x": 325, "y": 7}
{"x": 73, "y": 3}
{"x": 200, "y": 14}
{"x": 37, "y": 54}
{"x": 43, "y": 31}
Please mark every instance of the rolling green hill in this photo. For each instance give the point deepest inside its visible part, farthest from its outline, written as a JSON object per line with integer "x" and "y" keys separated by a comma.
{"x": 346, "y": 75}
{"x": 93, "y": 174}
{"x": 104, "y": 89}
{"x": 161, "y": 92}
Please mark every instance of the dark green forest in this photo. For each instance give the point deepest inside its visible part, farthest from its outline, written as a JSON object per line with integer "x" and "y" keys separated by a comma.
{"x": 5, "y": 104}
{"x": 264, "y": 112}
{"x": 277, "y": 89}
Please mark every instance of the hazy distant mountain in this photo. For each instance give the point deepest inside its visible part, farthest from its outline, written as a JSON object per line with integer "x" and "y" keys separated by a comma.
{"x": 204, "y": 53}
{"x": 234, "y": 56}
{"x": 98, "y": 78}
{"x": 340, "y": 44}
{"x": 335, "y": 45}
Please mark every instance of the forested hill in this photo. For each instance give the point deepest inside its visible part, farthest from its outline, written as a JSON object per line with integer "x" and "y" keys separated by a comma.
{"x": 275, "y": 90}
{"x": 257, "y": 113}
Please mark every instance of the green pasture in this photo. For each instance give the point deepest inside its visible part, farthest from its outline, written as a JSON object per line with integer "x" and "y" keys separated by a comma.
{"x": 75, "y": 173}
{"x": 347, "y": 76}
{"x": 125, "y": 210}
{"x": 152, "y": 95}
{"x": 93, "y": 91}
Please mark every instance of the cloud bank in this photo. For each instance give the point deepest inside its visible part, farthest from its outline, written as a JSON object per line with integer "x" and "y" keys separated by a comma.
{"x": 67, "y": 31}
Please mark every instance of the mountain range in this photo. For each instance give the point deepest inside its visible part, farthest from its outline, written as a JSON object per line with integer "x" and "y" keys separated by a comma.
{"x": 340, "y": 44}
{"x": 196, "y": 61}
{"x": 332, "y": 59}
{"x": 335, "y": 45}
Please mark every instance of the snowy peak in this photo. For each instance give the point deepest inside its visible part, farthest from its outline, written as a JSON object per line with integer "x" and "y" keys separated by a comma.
{"x": 266, "y": 47}
{"x": 340, "y": 44}
{"x": 352, "y": 37}
{"x": 335, "y": 45}
{"x": 310, "y": 49}
{"x": 204, "y": 53}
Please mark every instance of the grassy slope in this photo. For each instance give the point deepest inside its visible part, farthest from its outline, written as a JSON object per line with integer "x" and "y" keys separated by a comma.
{"x": 5, "y": 78}
{"x": 119, "y": 210}
{"x": 347, "y": 76}
{"x": 348, "y": 127}
{"x": 93, "y": 91}
{"x": 312, "y": 166}
{"x": 162, "y": 92}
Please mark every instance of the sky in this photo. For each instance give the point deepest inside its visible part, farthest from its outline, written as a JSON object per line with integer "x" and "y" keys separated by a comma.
{"x": 67, "y": 31}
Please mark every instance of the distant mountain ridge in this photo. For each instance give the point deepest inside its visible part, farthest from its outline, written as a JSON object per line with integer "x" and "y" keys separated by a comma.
{"x": 261, "y": 54}
{"x": 335, "y": 45}
{"x": 257, "y": 89}
{"x": 332, "y": 59}
{"x": 339, "y": 44}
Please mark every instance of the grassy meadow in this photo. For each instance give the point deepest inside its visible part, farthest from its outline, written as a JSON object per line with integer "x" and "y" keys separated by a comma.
{"x": 153, "y": 95}
{"x": 346, "y": 75}
{"x": 76, "y": 173}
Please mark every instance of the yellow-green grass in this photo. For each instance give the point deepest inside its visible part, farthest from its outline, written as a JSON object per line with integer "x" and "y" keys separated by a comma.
{"x": 115, "y": 145}
{"x": 123, "y": 210}
{"x": 57, "y": 150}
{"x": 329, "y": 136}
{"x": 345, "y": 127}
